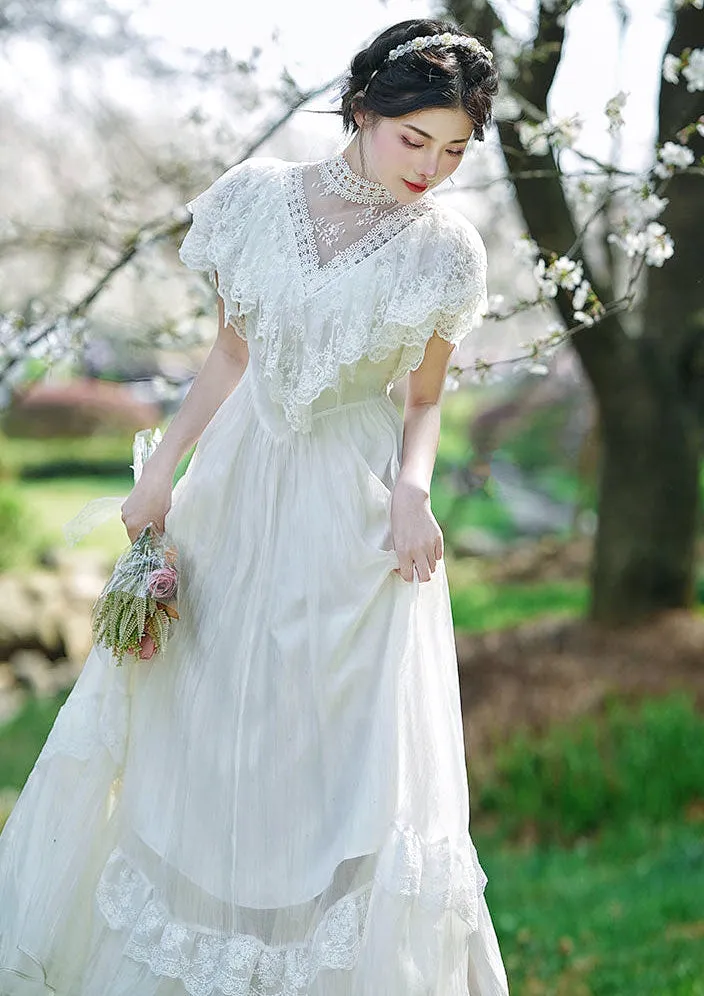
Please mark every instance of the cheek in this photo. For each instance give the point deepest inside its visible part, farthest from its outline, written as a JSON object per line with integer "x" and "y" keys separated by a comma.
{"x": 388, "y": 150}
{"x": 450, "y": 165}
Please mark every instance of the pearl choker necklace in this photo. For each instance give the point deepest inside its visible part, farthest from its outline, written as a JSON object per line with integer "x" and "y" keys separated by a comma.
{"x": 339, "y": 178}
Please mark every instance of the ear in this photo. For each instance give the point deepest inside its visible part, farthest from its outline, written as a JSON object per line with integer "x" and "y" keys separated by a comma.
{"x": 358, "y": 114}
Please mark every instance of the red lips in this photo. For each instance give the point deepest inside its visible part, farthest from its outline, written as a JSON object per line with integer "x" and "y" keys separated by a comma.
{"x": 417, "y": 188}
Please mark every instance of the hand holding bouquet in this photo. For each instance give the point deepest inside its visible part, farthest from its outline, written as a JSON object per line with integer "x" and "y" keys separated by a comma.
{"x": 134, "y": 611}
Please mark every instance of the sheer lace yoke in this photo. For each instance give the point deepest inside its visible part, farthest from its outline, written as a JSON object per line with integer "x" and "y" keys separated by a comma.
{"x": 321, "y": 268}
{"x": 339, "y": 219}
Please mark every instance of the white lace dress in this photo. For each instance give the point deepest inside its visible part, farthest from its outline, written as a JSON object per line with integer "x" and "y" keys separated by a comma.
{"x": 279, "y": 805}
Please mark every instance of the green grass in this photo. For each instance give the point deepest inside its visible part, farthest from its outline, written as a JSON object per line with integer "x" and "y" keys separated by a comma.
{"x": 52, "y": 503}
{"x": 479, "y": 606}
{"x": 603, "y": 897}
{"x": 643, "y": 762}
{"x": 23, "y": 737}
{"x": 614, "y": 916}
{"x": 99, "y": 455}
{"x": 49, "y": 503}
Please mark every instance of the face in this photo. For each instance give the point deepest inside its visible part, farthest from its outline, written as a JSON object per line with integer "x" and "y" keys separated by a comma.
{"x": 422, "y": 148}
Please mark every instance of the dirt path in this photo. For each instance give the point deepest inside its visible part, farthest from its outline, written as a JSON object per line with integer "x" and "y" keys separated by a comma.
{"x": 553, "y": 670}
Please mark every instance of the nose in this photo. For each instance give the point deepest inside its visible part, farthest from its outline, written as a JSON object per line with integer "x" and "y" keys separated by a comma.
{"x": 429, "y": 167}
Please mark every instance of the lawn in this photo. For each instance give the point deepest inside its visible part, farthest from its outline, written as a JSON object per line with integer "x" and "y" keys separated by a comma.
{"x": 620, "y": 915}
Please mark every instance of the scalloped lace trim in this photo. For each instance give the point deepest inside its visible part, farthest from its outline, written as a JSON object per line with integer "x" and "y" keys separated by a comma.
{"x": 439, "y": 877}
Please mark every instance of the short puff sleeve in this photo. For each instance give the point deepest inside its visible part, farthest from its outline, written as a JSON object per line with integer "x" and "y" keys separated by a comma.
{"x": 461, "y": 273}
{"x": 221, "y": 230}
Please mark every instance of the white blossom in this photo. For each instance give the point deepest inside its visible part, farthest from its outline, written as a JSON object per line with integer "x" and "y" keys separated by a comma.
{"x": 562, "y": 132}
{"x": 506, "y": 50}
{"x": 483, "y": 373}
{"x": 613, "y": 110}
{"x": 579, "y": 298}
{"x": 671, "y": 156}
{"x": 563, "y": 272}
{"x": 660, "y": 245}
{"x": 676, "y": 155}
{"x": 583, "y": 318}
{"x": 495, "y": 302}
{"x": 652, "y": 206}
{"x": 533, "y": 138}
{"x": 671, "y": 66}
{"x": 565, "y": 131}
{"x": 452, "y": 382}
{"x": 538, "y": 369}
{"x": 632, "y": 243}
{"x": 566, "y": 272}
{"x": 693, "y": 72}
{"x": 700, "y": 127}
{"x": 654, "y": 242}
{"x": 525, "y": 249}
{"x": 547, "y": 285}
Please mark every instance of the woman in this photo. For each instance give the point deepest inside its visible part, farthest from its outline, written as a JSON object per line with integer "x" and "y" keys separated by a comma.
{"x": 278, "y": 804}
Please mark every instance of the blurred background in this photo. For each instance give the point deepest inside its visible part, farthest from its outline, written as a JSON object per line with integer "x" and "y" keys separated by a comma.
{"x": 569, "y": 476}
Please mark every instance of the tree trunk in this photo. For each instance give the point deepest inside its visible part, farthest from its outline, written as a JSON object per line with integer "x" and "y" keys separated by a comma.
{"x": 644, "y": 557}
{"x": 648, "y": 389}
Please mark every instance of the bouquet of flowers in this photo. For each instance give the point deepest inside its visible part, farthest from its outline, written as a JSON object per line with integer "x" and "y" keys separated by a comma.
{"x": 134, "y": 611}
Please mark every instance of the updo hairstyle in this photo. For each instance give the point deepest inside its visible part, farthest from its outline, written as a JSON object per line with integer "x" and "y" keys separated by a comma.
{"x": 430, "y": 77}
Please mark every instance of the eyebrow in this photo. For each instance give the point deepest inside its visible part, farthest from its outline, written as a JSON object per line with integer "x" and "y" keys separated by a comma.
{"x": 426, "y": 135}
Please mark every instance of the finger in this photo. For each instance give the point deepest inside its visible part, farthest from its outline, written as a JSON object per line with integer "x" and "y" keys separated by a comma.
{"x": 406, "y": 569}
{"x": 439, "y": 548}
{"x": 423, "y": 569}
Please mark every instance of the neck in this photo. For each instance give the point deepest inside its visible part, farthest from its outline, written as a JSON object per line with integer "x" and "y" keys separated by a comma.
{"x": 353, "y": 155}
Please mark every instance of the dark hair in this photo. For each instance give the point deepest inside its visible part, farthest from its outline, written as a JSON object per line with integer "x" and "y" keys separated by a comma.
{"x": 431, "y": 77}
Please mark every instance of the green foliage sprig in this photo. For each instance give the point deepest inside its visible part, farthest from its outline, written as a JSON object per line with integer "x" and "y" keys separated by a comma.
{"x": 134, "y": 611}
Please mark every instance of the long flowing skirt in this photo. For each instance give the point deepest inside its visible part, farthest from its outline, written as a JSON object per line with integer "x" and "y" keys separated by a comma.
{"x": 277, "y": 805}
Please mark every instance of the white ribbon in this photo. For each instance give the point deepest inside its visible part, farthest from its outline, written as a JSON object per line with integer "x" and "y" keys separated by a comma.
{"x": 99, "y": 510}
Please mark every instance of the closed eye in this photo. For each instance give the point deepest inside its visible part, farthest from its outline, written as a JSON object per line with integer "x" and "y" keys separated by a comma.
{"x": 414, "y": 145}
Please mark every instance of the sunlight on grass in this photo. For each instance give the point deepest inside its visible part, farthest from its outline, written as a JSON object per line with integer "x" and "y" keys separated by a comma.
{"x": 480, "y": 606}
{"x": 52, "y": 503}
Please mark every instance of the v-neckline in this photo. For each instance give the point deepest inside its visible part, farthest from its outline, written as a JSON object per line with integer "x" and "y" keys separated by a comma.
{"x": 315, "y": 274}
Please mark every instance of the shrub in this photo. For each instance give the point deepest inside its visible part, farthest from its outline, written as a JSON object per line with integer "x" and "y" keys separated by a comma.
{"x": 15, "y": 525}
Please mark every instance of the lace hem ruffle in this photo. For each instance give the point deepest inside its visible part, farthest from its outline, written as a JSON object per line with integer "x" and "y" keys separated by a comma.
{"x": 440, "y": 877}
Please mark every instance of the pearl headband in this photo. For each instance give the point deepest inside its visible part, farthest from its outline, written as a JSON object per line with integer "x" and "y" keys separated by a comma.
{"x": 446, "y": 40}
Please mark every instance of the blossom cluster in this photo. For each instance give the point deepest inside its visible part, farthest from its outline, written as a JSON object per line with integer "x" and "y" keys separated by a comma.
{"x": 567, "y": 274}
{"x": 671, "y": 157}
{"x": 690, "y": 63}
{"x": 653, "y": 242}
{"x": 562, "y": 133}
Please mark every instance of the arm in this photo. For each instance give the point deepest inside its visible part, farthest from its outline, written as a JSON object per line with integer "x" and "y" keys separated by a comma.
{"x": 217, "y": 378}
{"x": 150, "y": 498}
{"x": 417, "y": 536}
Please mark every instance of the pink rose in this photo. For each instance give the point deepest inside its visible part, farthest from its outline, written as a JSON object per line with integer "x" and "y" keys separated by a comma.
{"x": 147, "y": 647}
{"x": 162, "y": 582}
